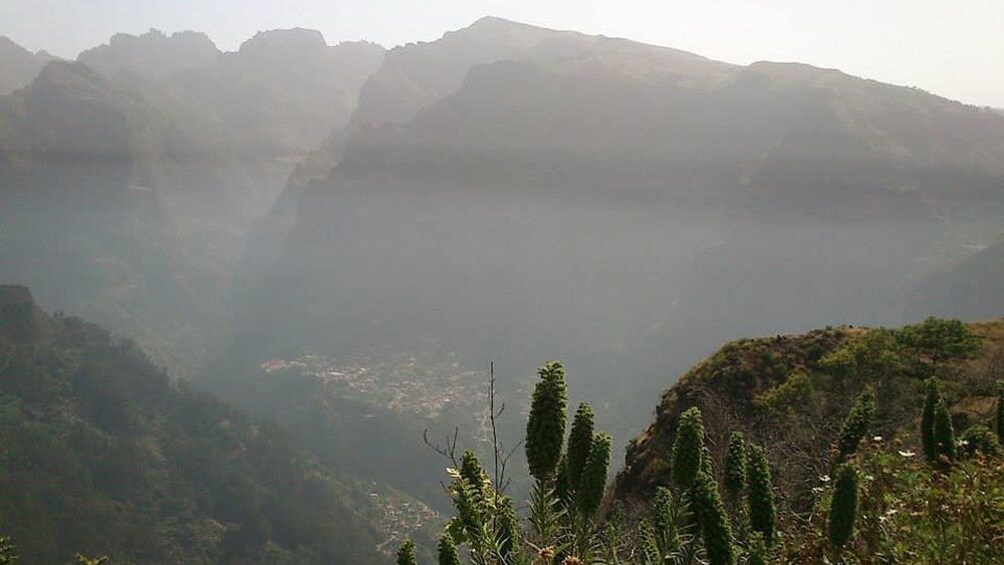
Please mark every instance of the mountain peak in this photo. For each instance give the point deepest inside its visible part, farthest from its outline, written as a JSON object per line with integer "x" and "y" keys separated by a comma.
{"x": 285, "y": 40}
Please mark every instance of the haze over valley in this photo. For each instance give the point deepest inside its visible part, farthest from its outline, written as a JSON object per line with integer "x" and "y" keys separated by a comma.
{"x": 324, "y": 244}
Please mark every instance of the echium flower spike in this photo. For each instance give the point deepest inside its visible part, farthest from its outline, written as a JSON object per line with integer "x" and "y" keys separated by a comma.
{"x": 931, "y": 400}
{"x": 594, "y": 476}
{"x": 762, "y": 510}
{"x": 406, "y": 554}
{"x": 844, "y": 506}
{"x": 735, "y": 466}
{"x": 545, "y": 429}
{"x": 664, "y": 518}
{"x": 944, "y": 433}
{"x": 688, "y": 448}
{"x": 716, "y": 531}
{"x": 856, "y": 424}
{"x": 580, "y": 442}
{"x": 448, "y": 551}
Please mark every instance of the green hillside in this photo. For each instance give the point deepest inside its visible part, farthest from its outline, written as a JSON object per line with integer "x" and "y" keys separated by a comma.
{"x": 104, "y": 454}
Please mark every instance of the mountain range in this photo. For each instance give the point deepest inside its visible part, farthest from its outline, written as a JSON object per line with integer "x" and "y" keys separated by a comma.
{"x": 370, "y": 220}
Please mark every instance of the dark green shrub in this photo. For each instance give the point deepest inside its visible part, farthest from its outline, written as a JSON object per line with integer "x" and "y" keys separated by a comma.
{"x": 980, "y": 439}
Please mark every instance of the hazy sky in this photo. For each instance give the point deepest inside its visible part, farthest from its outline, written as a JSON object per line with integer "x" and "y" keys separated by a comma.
{"x": 951, "y": 47}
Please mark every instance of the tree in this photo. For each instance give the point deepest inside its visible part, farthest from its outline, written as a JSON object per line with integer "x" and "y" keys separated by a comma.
{"x": 406, "y": 554}
{"x": 735, "y": 466}
{"x": 688, "y": 448}
{"x": 763, "y": 512}
{"x": 843, "y": 506}
{"x": 944, "y": 434}
{"x": 580, "y": 442}
{"x": 931, "y": 401}
{"x": 545, "y": 429}
{"x": 856, "y": 424}
{"x": 940, "y": 339}
{"x": 594, "y": 476}
{"x": 716, "y": 531}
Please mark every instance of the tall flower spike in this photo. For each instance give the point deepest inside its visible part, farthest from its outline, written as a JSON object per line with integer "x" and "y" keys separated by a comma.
{"x": 1000, "y": 415}
{"x": 688, "y": 449}
{"x": 406, "y": 554}
{"x": 763, "y": 513}
{"x": 856, "y": 424}
{"x": 448, "y": 551}
{"x": 545, "y": 429}
{"x": 714, "y": 522}
{"x": 944, "y": 433}
{"x": 580, "y": 442}
{"x": 931, "y": 399}
{"x": 594, "y": 476}
{"x": 844, "y": 506}
{"x": 735, "y": 466}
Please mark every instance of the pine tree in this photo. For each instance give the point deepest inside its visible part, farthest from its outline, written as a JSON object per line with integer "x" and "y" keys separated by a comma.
{"x": 406, "y": 554}
{"x": 688, "y": 449}
{"x": 944, "y": 433}
{"x": 856, "y": 424}
{"x": 735, "y": 466}
{"x": 931, "y": 401}
{"x": 594, "y": 476}
{"x": 448, "y": 551}
{"x": 545, "y": 429}
{"x": 712, "y": 519}
{"x": 580, "y": 442}
{"x": 844, "y": 506}
{"x": 763, "y": 513}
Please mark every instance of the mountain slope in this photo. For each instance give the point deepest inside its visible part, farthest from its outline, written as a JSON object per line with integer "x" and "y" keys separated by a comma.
{"x": 275, "y": 100}
{"x": 105, "y": 207}
{"x": 105, "y": 455}
{"x": 789, "y": 393}
{"x": 18, "y": 66}
{"x": 970, "y": 287}
{"x": 586, "y": 201}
